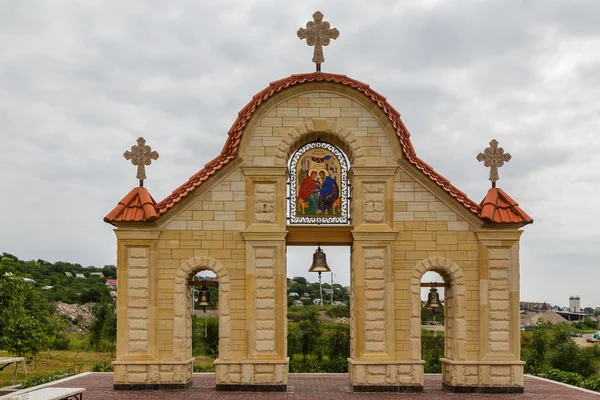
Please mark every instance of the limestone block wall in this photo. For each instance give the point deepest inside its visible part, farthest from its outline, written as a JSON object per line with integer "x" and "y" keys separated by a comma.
{"x": 210, "y": 225}
{"x": 341, "y": 117}
{"x": 428, "y": 228}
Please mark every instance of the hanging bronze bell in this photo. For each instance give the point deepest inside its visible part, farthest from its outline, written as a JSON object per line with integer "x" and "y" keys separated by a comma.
{"x": 319, "y": 263}
{"x": 433, "y": 299}
{"x": 204, "y": 299}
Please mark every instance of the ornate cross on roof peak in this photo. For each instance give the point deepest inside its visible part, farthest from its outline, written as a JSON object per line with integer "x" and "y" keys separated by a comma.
{"x": 318, "y": 34}
{"x": 141, "y": 155}
{"x": 494, "y": 157}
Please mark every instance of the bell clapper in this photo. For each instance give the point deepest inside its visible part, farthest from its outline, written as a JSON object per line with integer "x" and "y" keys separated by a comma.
{"x": 320, "y": 289}
{"x": 205, "y": 325}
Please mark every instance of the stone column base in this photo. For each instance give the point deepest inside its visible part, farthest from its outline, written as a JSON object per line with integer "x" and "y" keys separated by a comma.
{"x": 386, "y": 376}
{"x": 252, "y": 375}
{"x": 152, "y": 375}
{"x": 483, "y": 376}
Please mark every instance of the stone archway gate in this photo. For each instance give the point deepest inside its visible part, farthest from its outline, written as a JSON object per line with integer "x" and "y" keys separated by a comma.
{"x": 230, "y": 217}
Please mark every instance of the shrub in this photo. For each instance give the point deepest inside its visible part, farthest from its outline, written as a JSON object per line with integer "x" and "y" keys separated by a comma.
{"x": 338, "y": 311}
{"x": 204, "y": 368}
{"x": 335, "y": 364}
{"x": 45, "y": 378}
{"x": 572, "y": 378}
{"x": 103, "y": 329}
{"x": 61, "y": 342}
{"x": 311, "y": 329}
{"x": 589, "y": 323}
{"x": 571, "y": 358}
{"x": 538, "y": 347}
{"x": 316, "y": 364}
{"x": 294, "y": 339}
{"x": 338, "y": 342}
{"x": 432, "y": 349}
{"x": 569, "y": 378}
{"x": 205, "y": 336}
{"x": 592, "y": 383}
{"x": 102, "y": 367}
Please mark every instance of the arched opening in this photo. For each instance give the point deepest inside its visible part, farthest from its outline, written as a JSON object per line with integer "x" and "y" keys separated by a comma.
{"x": 182, "y": 309}
{"x": 204, "y": 290}
{"x": 455, "y": 332}
{"x": 432, "y": 321}
{"x": 318, "y": 318}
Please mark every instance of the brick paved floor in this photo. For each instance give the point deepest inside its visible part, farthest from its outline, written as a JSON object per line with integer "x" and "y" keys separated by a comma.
{"x": 315, "y": 386}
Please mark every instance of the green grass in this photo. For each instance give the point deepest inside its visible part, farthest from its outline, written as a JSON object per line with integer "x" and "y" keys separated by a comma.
{"x": 60, "y": 361}
{"x": 204, "y": 364}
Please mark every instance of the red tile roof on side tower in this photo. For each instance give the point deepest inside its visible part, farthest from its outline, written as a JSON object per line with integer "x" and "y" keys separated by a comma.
{"x": 231, "y": 148}
{"x": 137, "y": 206}
{"x": 500, "y": 208}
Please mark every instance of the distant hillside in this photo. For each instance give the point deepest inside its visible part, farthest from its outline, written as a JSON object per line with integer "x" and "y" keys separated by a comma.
{"x": 56, "y": 285}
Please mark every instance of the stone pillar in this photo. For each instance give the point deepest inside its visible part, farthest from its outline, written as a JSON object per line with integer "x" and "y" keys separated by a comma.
{"x": 499, "y": 369}
{"x": 137, "y": 365}
{"x": 266, "y": 365}
{"x": 373, "y": 366}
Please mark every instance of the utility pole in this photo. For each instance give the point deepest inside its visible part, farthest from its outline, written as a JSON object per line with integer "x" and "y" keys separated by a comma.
{"x": 331, "y": 289}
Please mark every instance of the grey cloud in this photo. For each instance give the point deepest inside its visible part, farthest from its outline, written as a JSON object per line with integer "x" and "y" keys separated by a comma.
{"x": 80, "y": 81}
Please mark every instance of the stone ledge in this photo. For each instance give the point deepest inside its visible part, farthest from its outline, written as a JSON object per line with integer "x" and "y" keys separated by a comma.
{"x": 388, "y": 389}
{"x": 250, "y": 388}
{"x": 153, "y": 362}
{"x": 240, "y": 362}
{"x": 483, "y": 389}
{"x": 482, "y": 362}
{"x": 152, "y": 386}
{"x": 386, "y": 362}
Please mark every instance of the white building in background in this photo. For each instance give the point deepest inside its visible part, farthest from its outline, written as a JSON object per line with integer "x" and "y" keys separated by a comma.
{"x": 574, "y": 304}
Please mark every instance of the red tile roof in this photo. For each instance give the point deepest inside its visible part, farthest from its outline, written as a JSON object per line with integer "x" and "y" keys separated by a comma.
{"x": 231, "y": 148}
{"x": 137, "y": 206}
{"x": 500, "y": 208}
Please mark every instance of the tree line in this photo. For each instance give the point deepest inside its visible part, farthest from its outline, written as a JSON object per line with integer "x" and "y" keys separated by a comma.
{"x": 29, "y": 320}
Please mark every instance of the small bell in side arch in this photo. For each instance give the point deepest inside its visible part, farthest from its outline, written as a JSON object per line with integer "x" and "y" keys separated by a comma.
{"x": 433, "y": 299}
{"x": 204, "y": 299}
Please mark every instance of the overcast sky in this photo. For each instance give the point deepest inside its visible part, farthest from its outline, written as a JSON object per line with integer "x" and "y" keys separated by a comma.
{"x": 81, "y": 80}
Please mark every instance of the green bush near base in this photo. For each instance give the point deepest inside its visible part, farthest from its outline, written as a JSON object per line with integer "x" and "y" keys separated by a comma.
{"x": 45, "y": 378}
{"x": 315, "y": 364}
{"x": 572, "y": 378}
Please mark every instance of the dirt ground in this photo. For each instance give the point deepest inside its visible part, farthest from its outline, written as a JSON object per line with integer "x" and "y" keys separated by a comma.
{"x": 581, "y": 342}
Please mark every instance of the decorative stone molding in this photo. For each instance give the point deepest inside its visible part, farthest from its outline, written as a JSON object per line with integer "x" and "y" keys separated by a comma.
{"x": 252, "y": 375}
{"x": 182, "y": 329}
{"x": 483, "y": 376}
{"x": 455, "y": 303}
{"x": 386, "y": 376}
{"x": 310, "y": 130}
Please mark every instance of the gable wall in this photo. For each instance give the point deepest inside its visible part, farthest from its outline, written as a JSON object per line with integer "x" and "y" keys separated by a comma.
{"x": 329, "y": 107}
